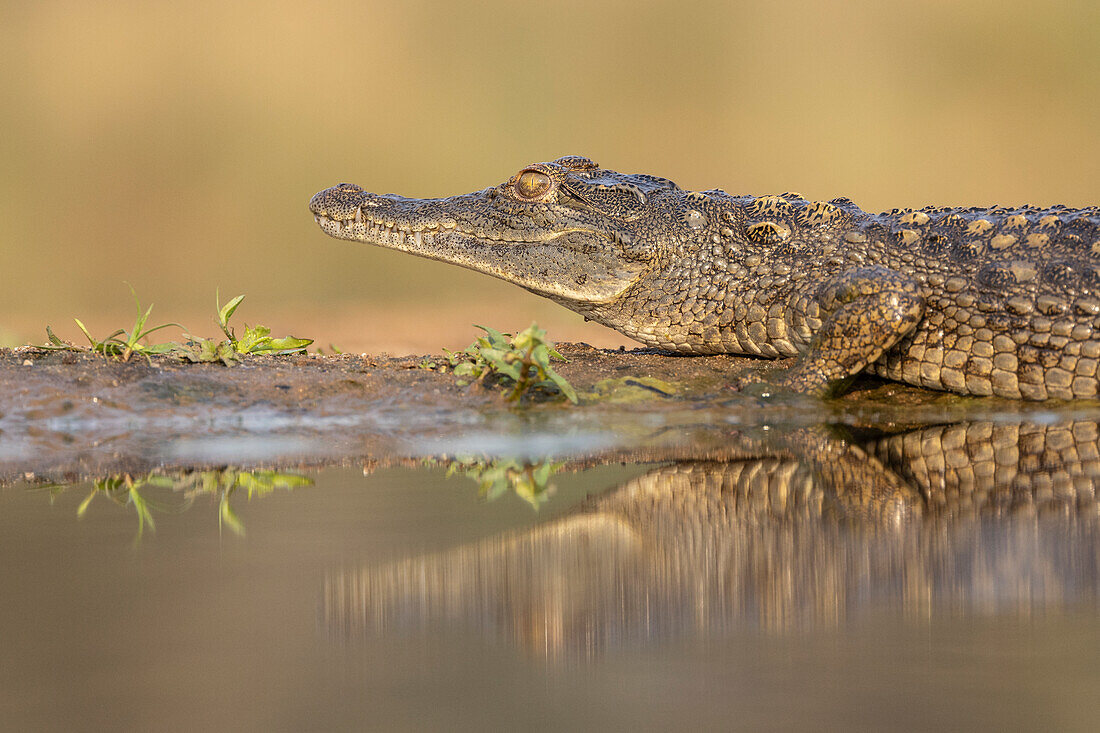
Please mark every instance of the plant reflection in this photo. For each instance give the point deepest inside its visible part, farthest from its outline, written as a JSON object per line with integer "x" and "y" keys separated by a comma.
{"x": 495, "y": 477}
{"x": 185, "y": 487}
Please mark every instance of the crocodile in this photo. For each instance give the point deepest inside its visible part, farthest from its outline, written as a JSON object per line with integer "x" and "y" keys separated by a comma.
{"x": 979, "y": 301}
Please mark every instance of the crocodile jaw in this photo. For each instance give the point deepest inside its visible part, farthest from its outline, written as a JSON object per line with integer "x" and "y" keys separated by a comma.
{"x": 573, "y": 265}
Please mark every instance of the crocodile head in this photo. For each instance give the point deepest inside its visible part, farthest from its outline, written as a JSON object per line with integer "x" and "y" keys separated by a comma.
{"x": 567, "y": 230}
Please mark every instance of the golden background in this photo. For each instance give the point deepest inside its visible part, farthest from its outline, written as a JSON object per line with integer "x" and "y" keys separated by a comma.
{"x": 175, "y": 146}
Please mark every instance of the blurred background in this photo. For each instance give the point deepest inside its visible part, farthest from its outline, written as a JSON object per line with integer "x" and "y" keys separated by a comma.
{"x": 174, "y": 146}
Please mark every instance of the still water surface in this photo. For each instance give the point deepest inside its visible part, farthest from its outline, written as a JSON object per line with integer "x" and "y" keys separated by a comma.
{"x": 862, "y": 583}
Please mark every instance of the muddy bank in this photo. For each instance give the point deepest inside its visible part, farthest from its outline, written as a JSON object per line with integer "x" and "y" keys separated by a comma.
{"x": 68, "y": 415}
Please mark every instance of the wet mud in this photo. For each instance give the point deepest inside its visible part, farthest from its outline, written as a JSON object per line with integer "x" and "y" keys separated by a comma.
{"x": 66, "y": 415}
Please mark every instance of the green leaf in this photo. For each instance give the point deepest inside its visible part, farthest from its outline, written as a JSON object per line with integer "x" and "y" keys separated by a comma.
{"x": 226, "y": 312}
{"x": 541, "y": 473}
{"x": 541, "y": 356}
{"x": 228, "y": 517}
{"x": 290, "y": 481}
{"x": 226, "y": 354}
{"x": 288, "y": 344}
{"x": 53, "y": 338}
{"x": 145, "y": 515}
{"x": 494, "y": 490}
{"x": 139, "y": 324}
{"x": 80, "y": 510}
{"x": 554, "y": 352}
{"x": 508, "y": 369}
{"x": 87, "y": 335}
{"x": 211, "y": 481}
{"x": 565, "y": 387}
{"x": 524, "y": 339}
{"x": 495, "y": 336}
{"x": 466, "y": 369}
{"x": 255, "y": 482}
{"x": 254, "y": 339}
{"x": 154, "y": 329}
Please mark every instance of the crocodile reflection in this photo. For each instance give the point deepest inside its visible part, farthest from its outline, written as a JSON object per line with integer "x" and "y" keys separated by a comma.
{"x": 972, "y": 518}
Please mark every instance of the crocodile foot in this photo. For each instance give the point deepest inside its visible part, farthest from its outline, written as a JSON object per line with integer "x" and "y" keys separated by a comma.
{"x": 768, "y": 382}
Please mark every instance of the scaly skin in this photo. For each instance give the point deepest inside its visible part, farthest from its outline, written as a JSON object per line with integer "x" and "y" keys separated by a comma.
{"x": 810, "y": 529}
{"x": 977, "y": 301}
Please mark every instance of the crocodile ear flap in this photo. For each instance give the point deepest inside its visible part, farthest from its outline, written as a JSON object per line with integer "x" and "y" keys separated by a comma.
{"x": 615, "y": 200}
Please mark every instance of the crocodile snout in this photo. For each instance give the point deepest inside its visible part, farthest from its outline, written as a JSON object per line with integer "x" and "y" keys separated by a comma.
{"x": 339, "y": 202}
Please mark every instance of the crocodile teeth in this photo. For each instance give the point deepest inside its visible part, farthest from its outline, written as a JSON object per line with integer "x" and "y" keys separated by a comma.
{"x": 358, "y": 215}
{"x": 417, "y": 239}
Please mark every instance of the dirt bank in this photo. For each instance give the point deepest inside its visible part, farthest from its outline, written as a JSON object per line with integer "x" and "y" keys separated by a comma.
{"x": 69, "y": 415}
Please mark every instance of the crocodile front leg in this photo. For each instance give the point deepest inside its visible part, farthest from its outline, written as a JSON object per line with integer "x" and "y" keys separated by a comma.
{"x": 863, "y": 313}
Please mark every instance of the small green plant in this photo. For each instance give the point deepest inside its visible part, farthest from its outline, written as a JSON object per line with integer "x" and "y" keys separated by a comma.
{"x": 523, "y": 358}
{"x": 256, "y": 340}
{"x": 123, "y": 344}
{"x": 199, "y": 350}
{"x": 496, "y": 477}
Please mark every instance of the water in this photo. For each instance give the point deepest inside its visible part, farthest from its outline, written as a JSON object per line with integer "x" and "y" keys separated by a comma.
{"x": 806, "y": 577}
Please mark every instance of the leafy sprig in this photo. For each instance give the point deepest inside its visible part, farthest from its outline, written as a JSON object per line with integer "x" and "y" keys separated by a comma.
{"x": 524, "y": 359}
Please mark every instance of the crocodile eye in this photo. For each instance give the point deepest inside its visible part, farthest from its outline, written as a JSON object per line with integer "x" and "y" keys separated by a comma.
{"x": 532, "y": 184}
